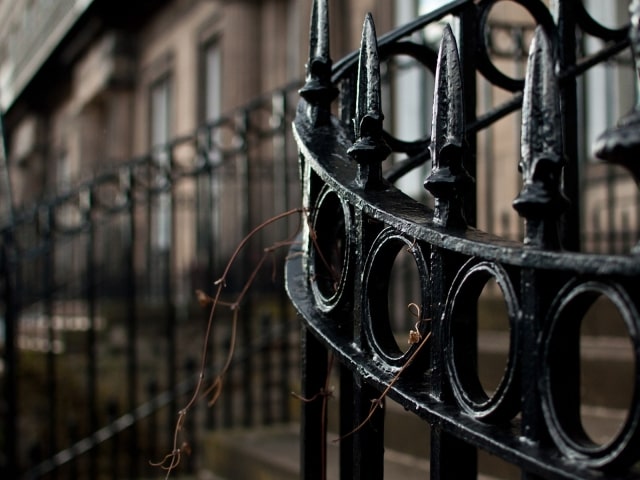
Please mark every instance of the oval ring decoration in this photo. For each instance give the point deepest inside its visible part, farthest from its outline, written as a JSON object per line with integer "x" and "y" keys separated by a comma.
{"x": 561, "y": 398}
{"x": 538, "y": 11}
{"x": 460, "y": 315}
{"x": 329, "y": 249}
{"x": 375, "y": 301}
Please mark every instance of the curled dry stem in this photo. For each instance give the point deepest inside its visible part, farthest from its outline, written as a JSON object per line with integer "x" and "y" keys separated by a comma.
{"x": 171, "y": 461}
{"x": 377, "y": 402}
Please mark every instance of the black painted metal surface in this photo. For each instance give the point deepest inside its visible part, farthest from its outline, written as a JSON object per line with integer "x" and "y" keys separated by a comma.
{"x": 339, "y": 278}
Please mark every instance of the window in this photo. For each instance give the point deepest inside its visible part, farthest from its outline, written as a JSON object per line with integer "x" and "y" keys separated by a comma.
{"x": 211, "y": 81}
{"x": 426, "y": 6}
{"x": 63, "y": 172}
{"x": 609, "y": 87}
{"x": 412, "y": 91}
{"x": 160, "y": 128}
{"x": 160, "y": 106}
{"x": 210, "y": 187}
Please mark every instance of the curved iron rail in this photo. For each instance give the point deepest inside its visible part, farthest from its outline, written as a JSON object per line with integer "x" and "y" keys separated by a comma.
{"x": 340, "y": 277}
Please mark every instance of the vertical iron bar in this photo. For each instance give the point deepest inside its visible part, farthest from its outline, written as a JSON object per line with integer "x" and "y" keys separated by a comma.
{"x": 535, "y": 292}
{"x": 348, "y": 100}
{"x": 267, "y": 353}
{"x": 564, "y": 13}
{"x": 313, "y": 424}
{"x": 368, "y": 442}
{"x": 73, "y": 434}
{"x": 437, "y": 288}
{"x": 346, "y": 423}
{"x": 635, "y": 234}
{"x": 286, "y": 348}
{"x": 625, "y": 234}
{"x": 152, "y": 422}
{"x": 529, "y": 325}
{"x": 610, "y": 209}
{"x": 228, "y": 410}
{"x": 6, "y": 200}
{"x": 207, "y": 236}
{"x": 49, "y": 253}
{"x": 170, "y": 306}
{"x": 112, "y": 414}
{"x": 369, "y": 151}
{"x": 190, "y": 424}
{"x": 281, "y": 184}
{"x": 247, "y": 266}
{"x": 147, "y": 275}
{"x": 506, "y": 225}
{"x": 597, "y": 232}
{"x": 489, "y": 171}
{"x": 279, "y": 109}
{"x": 467, "y": 50}
{"x": 451, "y": 457}
{"x": 11, "y": 439}
{"x": 131, "y": 294}
{"x": 92, "y": 374}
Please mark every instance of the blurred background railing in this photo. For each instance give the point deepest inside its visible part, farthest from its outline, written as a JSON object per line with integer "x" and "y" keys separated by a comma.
{"x": 104, "y": 330}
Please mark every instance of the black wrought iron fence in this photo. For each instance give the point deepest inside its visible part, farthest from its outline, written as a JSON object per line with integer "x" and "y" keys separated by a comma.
{"x": 340, "y": 278}
{"x": 98, "y": 307}
{"x": 103, "y": 331}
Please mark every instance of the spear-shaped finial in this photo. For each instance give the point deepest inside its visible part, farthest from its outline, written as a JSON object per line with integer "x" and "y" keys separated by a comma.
{"x": 448, "y": 178}
{"x": 318, "y": 90}
{"x": 541, "y": 200}
{"x": 369, "y": 149}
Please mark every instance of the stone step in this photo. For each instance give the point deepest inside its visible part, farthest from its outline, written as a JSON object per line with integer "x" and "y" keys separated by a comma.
{"x": 272, "y": 453}
{"x": 607, "y": 367}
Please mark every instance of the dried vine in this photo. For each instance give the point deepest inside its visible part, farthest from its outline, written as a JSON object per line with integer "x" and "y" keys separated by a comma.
{"x": 172, "y": 459}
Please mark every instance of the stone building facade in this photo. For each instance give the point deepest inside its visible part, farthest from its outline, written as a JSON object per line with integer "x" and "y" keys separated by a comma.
{"x": 88, "y": 83}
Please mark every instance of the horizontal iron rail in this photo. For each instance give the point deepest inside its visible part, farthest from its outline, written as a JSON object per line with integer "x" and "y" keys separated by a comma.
{"x": 392, "y": 207}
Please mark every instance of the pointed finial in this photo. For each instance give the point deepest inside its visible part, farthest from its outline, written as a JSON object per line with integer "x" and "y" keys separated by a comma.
{"x": 369, "y": 149}
{"x": 541, "y": 200}
{"x": 448, "y": 178}
{"x": 318, "y": 90}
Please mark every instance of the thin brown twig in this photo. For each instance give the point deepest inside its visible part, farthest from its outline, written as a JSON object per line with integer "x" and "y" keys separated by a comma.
{"x": 216, "y": 387}
{"x": 174, "y": 457}
{"x": 250, "y": 235}
{"x": 378, "y": 401}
